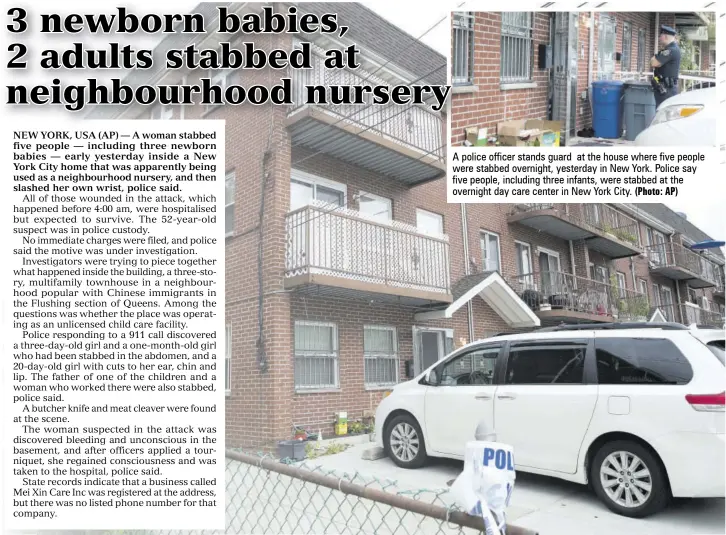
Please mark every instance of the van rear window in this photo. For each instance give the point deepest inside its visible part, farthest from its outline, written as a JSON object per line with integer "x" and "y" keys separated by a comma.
{"x": 717, "y": 348}
{"x": 629, "y": 361}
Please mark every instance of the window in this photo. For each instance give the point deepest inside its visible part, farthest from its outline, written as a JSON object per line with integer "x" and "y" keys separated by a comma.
{"x": 305, "y": 188}
{"x": 598, "y": 273}
{"x": 692, "y": 297}
{"x": 620, "y": 279}
{"x": 218, "y": 78}
{"x": 229, "y": 181}
{"x": 642, "y": 361}
{"x": 557, "y": 363}
{"x": 643, "y": 287}
{"x": 228, "y": 359}
{"x": 705, "y": 305}
{"x": 717, "y": 348}
{"x": 642, "y": 53}
{"x": 549, "y": 271}
{"x": 524, "y": 258}
{"x": 160, "y": 112}
{"x": 472, "y": 368}
{"x": 666, "y": 301}
{"x": 656, "y": 295}
{"x": 316, "y": 355}
{"x": 490, "y": 251}
{"x": 429, "y": 222}
{"x": 697, "y": 55}
{"x": 380, "y": 353}
{"x": 462, "y": 62}
{"x": 627, "y": 47}
{"x": 516, "y": 50}
{"x": 657, "y": 248}
{"x": 606, "y": 47}
{"x": 375, "y": 207}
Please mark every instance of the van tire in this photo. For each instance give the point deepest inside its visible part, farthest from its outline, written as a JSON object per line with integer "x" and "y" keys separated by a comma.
{"x": 613, "y": 486}
{"x": 401, "y": 438}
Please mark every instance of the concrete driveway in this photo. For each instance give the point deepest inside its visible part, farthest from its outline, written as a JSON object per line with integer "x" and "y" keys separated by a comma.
{"x": 550, "y": 506}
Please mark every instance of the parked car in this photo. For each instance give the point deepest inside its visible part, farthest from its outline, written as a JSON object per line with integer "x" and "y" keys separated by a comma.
{"x": 687, "y": 119}
{"x": 634, "y": 410}
{"x": 714, "y": 339}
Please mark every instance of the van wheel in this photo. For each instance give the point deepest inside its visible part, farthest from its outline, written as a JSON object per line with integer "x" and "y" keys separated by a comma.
{"x": 629, "y": 479}
{"x": 404, "y": 442}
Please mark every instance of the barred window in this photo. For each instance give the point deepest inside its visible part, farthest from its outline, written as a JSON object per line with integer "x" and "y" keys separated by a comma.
{"x": 380, "y": 352}
{"x": 627, "y": 47}
{"x": 516, "y": 53}
{"x": 606, "y": 47}
{"x": 316, "y": 355}
{"x": 229, "y": 204}
{"x": 641, "y": 49}
{"x": 228, "y": 359}
{"x": 462, "y": 63}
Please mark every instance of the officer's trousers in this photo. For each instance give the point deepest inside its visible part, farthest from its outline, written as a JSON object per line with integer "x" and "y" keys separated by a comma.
{"x": 670, "y": 92}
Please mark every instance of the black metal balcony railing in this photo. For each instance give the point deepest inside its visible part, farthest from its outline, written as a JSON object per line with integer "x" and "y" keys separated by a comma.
{"x": 689, "y": 313}
{"x": 413, "y": 126}
{"x": 675, "y": 255}
{"x": 597, "y": 216}
{"x": 344, "y": 244}
{"x": 549, "y": 290}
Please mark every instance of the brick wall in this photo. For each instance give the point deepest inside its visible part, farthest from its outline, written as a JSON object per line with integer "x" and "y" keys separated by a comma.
{"x": 487, "y": 104}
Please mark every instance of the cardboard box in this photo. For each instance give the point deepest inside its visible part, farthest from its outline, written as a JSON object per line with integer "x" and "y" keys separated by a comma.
{"x": 476, "y": 137}
{"x": 341, "y": 423}
{"x": 529, "y": 132}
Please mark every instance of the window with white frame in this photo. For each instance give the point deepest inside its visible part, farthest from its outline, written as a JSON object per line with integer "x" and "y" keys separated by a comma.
{"x": 598, "y": 273}
{"x": 462, "y": 60}
{"x": 666, "y": 301}
{"x": 228, "y": 359}
{"x": 516, "y": 47}
{"x": 620, "y": 280}
{"x": 218, "y": 78}
{"x": 643, "y": 287}
{"x": 316, "y": 355}
{"x": 306, "y": 188}
{"x": 229, "y": 181}
{"x": 705, "y": 305}
{"x": 380, "y": 353}
{"x": 162, "y": 112}
{"x": 429, "y": 222}
{"x": 606, "y": 47}
{"x": 642, "y": 52}
{"x": 627, "y": 47}
{"x": 524, "y": 264}
{"x": 490, "y": 251}
{"x": 375, "y": 207}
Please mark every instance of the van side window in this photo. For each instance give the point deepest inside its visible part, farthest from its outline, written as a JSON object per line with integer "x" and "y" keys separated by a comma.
{"x": 472, "y": 368}
{"x": 640, "y": 361}
{"x": 544, "y": 364}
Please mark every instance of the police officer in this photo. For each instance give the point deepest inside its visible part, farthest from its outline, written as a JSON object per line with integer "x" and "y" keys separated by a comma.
{"x": 666, "y": 64}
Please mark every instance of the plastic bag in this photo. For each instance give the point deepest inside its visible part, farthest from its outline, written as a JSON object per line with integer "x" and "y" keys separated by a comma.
{"x": 485, "y": 486}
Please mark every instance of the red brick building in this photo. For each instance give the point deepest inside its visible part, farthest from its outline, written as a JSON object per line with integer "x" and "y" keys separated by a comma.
{"x": 347, "y": 271}
{"x": 521, "y": 65}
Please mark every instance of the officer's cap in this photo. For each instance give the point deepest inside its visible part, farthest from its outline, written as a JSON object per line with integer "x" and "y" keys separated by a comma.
{"x": 668, "y": 30}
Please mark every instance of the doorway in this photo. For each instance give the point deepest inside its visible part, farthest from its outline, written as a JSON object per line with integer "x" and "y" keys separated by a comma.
{"x": 430, "y": 345}
{"x": 564, "y": 72}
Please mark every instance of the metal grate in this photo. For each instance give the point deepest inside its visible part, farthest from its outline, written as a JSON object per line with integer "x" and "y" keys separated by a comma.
{"x": 463, "y": 49}
{"x": 516, "y": 53}
{"x": 380, "y": 351}
{"x": 641, "y": 49}
{"x": 627, "y": 46}
{"x": 316, "y": 355}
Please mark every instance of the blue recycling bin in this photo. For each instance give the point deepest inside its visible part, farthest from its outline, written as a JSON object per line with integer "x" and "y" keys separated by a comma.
{"x": 607, "y": 114}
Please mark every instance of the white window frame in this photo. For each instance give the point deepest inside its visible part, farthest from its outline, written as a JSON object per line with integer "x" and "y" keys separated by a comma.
{"x": 216, "y": 76}
{"x": 643, "y": 287}
{"x": 482, "y": 234}
{"x": 161, "y": 112}
{"x": 462, "y": 38}
{"x": 705, "y": 305}
{"x": 314, "y": 181}
{"x": 622, "y": 284}
{"x": 335, "y": 356}
{"x": 228, "y": 359}
{"x": 550, "y": 252}
{"x": 516, "y": 253}
{"x": 230, "y": 174}
{"x": 386, "y": 200}
{"x": 434, "y": 215}
{"x": 606, "y": 68}
{"x": 394, "y": 357}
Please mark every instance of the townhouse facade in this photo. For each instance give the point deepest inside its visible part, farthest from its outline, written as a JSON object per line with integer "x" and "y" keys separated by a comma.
{"x": 522, "y": 65}
{"x": 348, "y": 272}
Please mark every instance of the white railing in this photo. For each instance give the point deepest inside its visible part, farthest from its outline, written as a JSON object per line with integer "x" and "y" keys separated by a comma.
{"x": 687, "y": 80}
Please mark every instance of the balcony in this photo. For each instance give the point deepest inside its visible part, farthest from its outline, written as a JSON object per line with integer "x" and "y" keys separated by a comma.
{"x": 689, "y": 313}
{"x": 557, "y": 297}
{"x": 677, "y": 262}
{"x": 604, "y": 229}
{"x": 339, "y": 252}
{"x": 405, "y": 143}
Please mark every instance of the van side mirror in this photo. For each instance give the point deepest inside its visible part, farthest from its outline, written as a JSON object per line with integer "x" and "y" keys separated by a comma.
{"x": 431, "y": 377}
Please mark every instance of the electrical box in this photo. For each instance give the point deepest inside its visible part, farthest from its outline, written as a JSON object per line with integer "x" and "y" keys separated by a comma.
{"x": 544, "y": 56}
{"x": 618, "y": 56}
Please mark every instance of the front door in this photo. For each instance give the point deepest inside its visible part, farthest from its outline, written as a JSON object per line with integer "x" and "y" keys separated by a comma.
{"x": 463, "y": 397}
{"x": 430, "y": 346}
{"x": 543, "y": 408}
{"x": 564, "y": 73}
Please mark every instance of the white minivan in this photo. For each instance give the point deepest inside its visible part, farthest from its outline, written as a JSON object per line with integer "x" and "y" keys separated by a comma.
{"x": 634, "y": 410}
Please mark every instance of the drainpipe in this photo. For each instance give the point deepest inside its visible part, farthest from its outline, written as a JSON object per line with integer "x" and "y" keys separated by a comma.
{"x": 678, "y": 286}
{"x": 465, "y": 236}
{"x": 572, "y": 260}
{"x": 589, "y": 60}
{"x": 632, "y": 272}
{"x": 656, "y": 32}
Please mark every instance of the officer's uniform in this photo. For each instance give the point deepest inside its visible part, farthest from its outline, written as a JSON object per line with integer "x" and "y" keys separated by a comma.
{"x": 670, "y": 62}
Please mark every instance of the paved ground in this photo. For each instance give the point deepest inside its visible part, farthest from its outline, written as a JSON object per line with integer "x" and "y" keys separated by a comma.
{"x": 598, "y": 142}
{"x": 550, "y": 506}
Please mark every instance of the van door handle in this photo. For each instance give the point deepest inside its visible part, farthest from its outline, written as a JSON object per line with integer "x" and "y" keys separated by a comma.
{"x": 483, "y": 397}
{"x": 506, "y": 396}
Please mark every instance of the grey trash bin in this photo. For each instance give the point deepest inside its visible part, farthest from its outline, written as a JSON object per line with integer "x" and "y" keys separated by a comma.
{"x": 638, "y": 108}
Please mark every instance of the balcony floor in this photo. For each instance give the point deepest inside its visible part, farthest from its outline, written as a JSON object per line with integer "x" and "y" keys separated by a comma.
{"x": 330, "y": 286}
{"x": 554, "y": 223}
{"x": 327, "y": 133}
{"x": 681, "y": 274}
{"x": 554, "y": 317}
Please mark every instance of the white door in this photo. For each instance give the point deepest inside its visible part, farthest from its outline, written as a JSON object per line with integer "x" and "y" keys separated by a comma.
{"x": 549, "y": 268}
{"x": 543, "y": 409}
{"x": 463, "y": 397}
{"x": 369, "y": 242}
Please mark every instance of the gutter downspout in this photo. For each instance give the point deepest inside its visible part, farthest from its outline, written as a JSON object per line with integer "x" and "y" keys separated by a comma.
{"x": 572, "y": 261}
{"x": 656, "y": 32}
{"x": 467, "y": 271}
{"x": 589, "y": 60}
{"x": 678, "y": 286}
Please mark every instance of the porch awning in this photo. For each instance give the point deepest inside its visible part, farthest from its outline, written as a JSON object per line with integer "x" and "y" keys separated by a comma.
{"x": 657, "y": 317}
{"x": 495, "y": 291}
